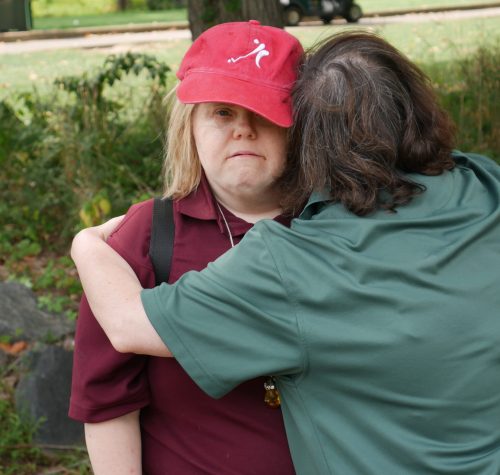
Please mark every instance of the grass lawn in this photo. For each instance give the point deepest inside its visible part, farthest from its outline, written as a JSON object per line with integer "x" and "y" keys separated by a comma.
{"x": 106, "y": 19}
{"x": 435, "y": 41}
{"x": 385, "y": 5}
{"x": 61, "y": 14}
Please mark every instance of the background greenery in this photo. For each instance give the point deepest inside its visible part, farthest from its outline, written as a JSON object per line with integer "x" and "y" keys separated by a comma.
{"x": 81, "y": 139}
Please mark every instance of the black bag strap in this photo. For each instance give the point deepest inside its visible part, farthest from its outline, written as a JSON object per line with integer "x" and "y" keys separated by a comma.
{"x": 161, "y": 244}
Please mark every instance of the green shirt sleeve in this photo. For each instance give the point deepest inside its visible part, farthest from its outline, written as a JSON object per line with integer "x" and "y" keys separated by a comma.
{"x": 231, "y": 322}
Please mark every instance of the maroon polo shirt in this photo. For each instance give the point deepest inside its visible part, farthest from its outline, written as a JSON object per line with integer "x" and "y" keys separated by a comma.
{"x": 184, "y": 431}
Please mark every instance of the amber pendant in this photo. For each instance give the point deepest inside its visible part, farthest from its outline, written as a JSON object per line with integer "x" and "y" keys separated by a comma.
{"x": 272, "y": 396}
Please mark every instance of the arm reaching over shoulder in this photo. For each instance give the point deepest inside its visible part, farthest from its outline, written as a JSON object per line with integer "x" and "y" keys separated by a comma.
{"x": 113, "y": 292}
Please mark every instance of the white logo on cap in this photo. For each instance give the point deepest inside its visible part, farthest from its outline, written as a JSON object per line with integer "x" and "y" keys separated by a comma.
{"x": 259, "y": 52}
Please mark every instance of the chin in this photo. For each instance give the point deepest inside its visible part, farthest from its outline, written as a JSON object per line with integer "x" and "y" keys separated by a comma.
{"x": 250, "y": 184}
{"x": 247, "y": 183}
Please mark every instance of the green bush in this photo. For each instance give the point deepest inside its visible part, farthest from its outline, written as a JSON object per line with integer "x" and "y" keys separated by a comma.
{"x": 470, "y": 90}
{"x": 65, "y": 157}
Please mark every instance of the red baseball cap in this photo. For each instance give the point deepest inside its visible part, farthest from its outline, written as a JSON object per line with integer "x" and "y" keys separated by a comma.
{"x": 243, "y": 63}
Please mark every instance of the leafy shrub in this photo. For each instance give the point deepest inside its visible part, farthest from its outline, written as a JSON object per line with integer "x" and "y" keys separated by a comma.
{"x": 59, "y": 286}
{"x": 470, "y": 91}
{"x": 65, "y": 157}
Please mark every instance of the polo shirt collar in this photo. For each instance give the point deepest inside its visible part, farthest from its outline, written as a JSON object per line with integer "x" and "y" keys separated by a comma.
{"x": 316, "y": 202}
{"x": 200, "y": 203}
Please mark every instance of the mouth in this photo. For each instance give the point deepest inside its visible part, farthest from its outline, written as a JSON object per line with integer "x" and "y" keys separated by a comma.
{"x": 244, "y": 153}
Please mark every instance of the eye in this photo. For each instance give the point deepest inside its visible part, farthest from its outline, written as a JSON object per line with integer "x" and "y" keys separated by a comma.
{"x": 223, "y": 112}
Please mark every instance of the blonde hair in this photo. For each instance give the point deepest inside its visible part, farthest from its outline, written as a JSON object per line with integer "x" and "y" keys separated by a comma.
{"x": 181, "y": 166}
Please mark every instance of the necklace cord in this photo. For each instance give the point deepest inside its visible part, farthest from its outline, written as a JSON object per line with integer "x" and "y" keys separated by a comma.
{"x": 272, "y": 396}
{"x": 226, "y": 223}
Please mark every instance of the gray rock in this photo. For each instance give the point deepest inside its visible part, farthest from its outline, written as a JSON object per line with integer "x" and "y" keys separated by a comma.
{"x": 21, "y": 319}
{"x": 42, "y": 394}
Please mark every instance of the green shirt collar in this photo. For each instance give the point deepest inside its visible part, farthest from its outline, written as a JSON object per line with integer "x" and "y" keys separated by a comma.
{"x": 316, "y": 201}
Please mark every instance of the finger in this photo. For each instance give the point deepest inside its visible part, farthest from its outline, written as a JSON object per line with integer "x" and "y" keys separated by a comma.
{"x": 107, "y": 228}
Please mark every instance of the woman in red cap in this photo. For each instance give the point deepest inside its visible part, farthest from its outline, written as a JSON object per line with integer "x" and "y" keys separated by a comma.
{"x": 226, "y": 149}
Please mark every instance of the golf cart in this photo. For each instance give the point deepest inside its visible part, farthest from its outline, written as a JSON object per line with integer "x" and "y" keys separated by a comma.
{"x": 295, "y": 10}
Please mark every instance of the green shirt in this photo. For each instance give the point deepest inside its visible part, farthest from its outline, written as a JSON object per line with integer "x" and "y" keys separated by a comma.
{"x": 383, "y": 331}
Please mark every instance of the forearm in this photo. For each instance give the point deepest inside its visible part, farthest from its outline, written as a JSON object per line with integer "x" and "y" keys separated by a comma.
{"x": 113, "y": 291}
{"x": 114, "y": 446}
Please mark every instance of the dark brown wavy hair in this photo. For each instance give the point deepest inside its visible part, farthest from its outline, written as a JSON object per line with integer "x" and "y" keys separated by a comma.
{"x": 365, "y": 115}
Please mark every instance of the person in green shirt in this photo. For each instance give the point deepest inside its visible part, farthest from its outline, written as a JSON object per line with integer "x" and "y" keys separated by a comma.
{"x": 377, "y": 312}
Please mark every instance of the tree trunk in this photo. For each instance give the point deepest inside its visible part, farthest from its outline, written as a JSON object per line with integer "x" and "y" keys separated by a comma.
{"x": 203, "y": 14}
{"x": 268, "y": 12}
{"x": 122, "y": 5}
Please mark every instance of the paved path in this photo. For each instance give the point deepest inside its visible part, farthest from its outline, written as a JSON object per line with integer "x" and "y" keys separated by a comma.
{"x": 106, "y": 40}
{"x": 93, "y": 41}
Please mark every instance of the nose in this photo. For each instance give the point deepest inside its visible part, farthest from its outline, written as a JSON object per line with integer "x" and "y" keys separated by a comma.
{"x": 244, "y": 126}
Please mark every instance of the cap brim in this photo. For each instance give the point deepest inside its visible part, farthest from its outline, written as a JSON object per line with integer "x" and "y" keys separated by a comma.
{"x": 271, "y": 103}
